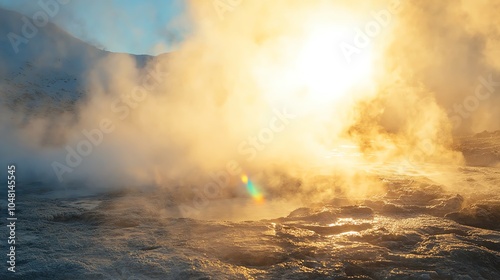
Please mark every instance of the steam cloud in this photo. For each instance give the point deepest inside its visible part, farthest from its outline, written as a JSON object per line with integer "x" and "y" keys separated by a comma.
{"x": 233, "y": 99}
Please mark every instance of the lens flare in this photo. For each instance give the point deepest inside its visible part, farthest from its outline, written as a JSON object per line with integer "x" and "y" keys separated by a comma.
{"x": 252, "y": 189}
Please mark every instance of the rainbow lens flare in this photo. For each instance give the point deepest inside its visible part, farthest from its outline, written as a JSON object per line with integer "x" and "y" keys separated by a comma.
{"x": 252, "y": 189}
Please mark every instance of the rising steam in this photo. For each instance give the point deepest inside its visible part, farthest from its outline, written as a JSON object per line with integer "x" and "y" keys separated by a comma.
{"x": 279, "y": 87}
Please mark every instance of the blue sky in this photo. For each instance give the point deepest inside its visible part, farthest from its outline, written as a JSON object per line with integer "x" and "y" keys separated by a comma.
{"x": 131, "y": 26}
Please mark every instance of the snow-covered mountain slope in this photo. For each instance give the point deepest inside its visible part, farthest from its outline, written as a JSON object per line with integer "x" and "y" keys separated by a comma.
{"x": 44, "y": 64}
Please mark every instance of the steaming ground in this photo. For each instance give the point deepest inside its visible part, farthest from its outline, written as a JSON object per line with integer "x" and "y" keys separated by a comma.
{"x": 115, "y": 214}
{"x": 415, "y": 228}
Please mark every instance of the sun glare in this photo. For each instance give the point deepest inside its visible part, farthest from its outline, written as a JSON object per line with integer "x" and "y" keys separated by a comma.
{"x": 316, "y": 72}
{"x": 325, "y": 71}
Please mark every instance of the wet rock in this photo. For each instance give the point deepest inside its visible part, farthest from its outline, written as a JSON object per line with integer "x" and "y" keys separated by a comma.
{"x": 338, "y": 229}
{"x": 352, "y": 269}
{"x": 356, "y": 211}
{"x": 324, "y": 215}
{"x": 390, "y": 208}
{"x": 254, "y": 257}
{"x": 448, "y": 205}
{"x": 300, "y": 212}
{"x": 478, "y": 215}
